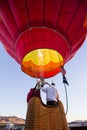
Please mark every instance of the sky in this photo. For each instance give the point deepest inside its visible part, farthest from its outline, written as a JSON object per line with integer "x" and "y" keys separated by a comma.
{"x": 15, "y": 84}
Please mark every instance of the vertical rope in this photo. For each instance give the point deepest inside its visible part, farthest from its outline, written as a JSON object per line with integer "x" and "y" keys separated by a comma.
{"x": 66, "y": 99}
{"x": 66, "y": 83}
{"x": 26, "y": 9}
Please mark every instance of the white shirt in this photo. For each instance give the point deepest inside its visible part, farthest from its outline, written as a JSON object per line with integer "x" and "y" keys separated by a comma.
{"x": 51, "y": 93}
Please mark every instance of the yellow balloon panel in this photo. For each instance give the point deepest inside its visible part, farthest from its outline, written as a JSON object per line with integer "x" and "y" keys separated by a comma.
{"x": 40, "y": 62}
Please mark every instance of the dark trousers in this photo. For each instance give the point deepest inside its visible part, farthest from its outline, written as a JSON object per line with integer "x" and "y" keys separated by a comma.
{"x": 52, "y": 103}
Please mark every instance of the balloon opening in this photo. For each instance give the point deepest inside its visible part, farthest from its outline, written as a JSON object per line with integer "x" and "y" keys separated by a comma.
{"x": 42, "y": 63}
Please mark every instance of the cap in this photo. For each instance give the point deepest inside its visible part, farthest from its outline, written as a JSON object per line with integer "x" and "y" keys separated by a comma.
{"x": 52, "y": 83}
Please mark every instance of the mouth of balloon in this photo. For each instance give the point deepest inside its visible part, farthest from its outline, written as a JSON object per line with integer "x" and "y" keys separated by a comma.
{"x": 42, "y": 63}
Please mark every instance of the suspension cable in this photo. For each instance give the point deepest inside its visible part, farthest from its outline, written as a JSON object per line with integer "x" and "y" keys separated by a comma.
{"x": 66, "y": 99}
{"x": 66, "y": 83}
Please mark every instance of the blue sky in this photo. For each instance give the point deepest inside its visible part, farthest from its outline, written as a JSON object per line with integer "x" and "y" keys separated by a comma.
{"x": 14, "y": 86}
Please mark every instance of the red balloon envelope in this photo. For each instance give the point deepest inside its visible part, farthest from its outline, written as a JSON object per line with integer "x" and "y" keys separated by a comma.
{"x": 42, "y": 35}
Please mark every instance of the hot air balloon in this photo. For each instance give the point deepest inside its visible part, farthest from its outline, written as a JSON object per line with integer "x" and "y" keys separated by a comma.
{"x": 42, "y": 35}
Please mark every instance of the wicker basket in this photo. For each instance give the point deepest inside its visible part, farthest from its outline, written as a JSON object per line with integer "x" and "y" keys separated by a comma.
{"x": 43, "y": 117}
